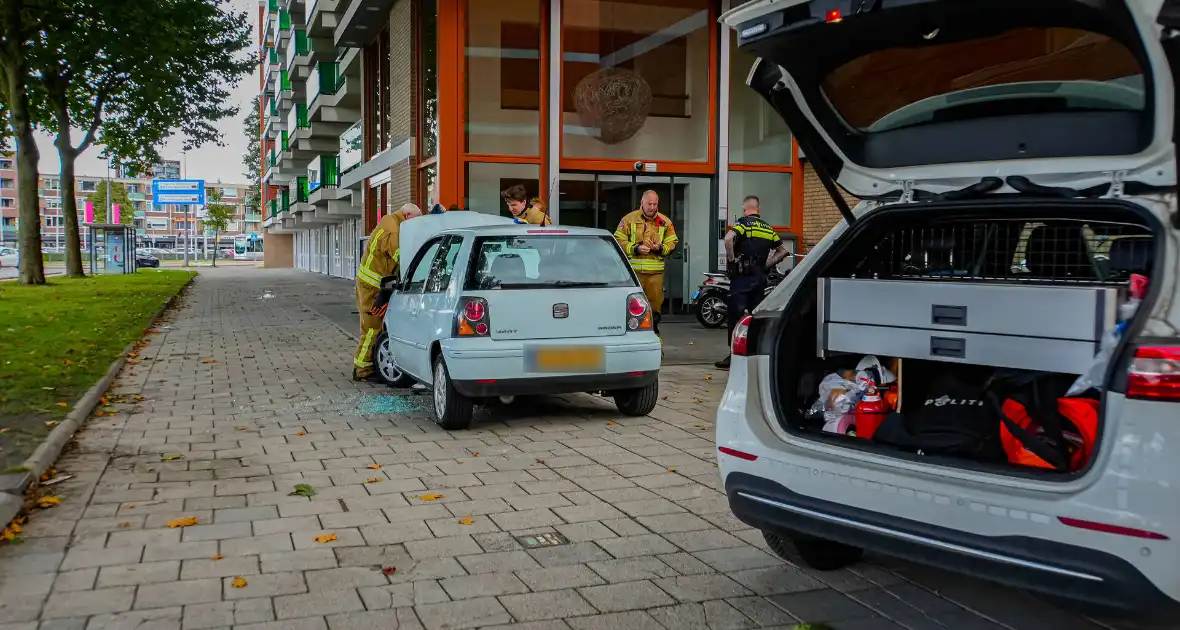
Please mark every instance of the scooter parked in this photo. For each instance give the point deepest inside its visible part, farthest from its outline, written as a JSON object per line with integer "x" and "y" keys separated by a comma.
{"x": 710, "y": 299}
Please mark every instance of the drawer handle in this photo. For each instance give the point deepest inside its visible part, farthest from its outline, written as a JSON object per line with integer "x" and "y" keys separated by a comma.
{"x": 948, "y": 347}
{"x": 948, "y": 315}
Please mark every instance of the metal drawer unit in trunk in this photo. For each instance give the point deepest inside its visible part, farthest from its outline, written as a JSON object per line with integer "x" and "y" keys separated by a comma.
{"x": 1029, "y": 327}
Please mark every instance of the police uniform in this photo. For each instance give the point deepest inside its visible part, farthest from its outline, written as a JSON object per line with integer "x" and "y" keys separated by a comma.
{"x": 533, "y": 215}
{"x": 748, "y": 273}
{"x": 634, "y": 229}
{"x": 382, "y": 258}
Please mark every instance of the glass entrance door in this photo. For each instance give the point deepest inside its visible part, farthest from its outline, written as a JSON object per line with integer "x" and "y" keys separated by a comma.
{"x": 600, "y": 200}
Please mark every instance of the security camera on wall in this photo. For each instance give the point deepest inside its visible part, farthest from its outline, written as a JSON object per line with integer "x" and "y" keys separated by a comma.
{"x": 638, "y": 166}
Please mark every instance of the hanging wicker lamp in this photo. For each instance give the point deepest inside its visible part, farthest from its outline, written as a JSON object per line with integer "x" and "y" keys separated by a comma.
{"x": 613, "y": 101}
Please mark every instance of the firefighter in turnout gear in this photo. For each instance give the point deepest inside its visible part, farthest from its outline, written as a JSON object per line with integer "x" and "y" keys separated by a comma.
{"x": 752, "y": 249}
{"x": 648, "y": 237}
{"x": 524, "y": 211}
{"x": 380, "y": 259}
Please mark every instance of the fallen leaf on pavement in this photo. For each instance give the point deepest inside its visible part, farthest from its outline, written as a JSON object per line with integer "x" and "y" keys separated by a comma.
{"x": 466, "y": 520}
{"x": 389, "y": 570}
{"x": 671, "y": 470}
{"x": 125, "y": 524}
{"x": 48, "y": 502}
{"x": 129, "y": 506}
{"x": 374, "y": 466}
{"x": 4, "y": 430}
{"x": 301, "y": 433}
{"x": 611, "y": 423}
{"x": 63, "y": 404}
{"x": 208, "y": 361}
{"x": 216, "y": 558}
{"x": 238, "y": 583}
{"x": 475, "y": 453}
{"x": 303, "y": 490}
{"x": 708, "y": 378}
{"x": 325, "y": 538}
{"x": 170, "y": 457}
{"x": 51, "y": 423}
{"x": 242, "y": 428}
{"x": 373, "y": 480}
{"x": 431, "y": 497}
{"x": 184, "y": 521}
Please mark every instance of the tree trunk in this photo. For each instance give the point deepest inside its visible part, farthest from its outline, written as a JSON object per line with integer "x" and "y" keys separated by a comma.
{"x": 69, "y": 205}
{"x": 32, "y": 265}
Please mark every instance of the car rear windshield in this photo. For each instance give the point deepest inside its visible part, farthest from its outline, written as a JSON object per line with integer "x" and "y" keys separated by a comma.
{"x": 1020, "y": 71}
{"x": 547, "y": 262}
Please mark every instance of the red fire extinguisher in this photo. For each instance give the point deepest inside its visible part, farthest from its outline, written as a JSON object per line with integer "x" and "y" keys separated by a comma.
{"x": 871, "y": 411}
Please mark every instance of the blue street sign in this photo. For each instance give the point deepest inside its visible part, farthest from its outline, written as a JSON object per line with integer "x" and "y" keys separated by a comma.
{"x": 178, "y": 192}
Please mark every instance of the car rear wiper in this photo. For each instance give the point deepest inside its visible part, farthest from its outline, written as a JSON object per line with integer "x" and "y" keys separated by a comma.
{"x": 576, "y": 283}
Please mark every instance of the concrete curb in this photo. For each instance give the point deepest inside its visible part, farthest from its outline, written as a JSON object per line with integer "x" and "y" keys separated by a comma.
{"x": 49, "y": 450}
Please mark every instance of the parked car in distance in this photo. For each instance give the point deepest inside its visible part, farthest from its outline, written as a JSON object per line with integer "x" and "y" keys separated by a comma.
{"x": 143, "y": 259}
{"x": 505, "y": 310}
{"x": 1019, "y": 226}
{"x": 8, "y": 257}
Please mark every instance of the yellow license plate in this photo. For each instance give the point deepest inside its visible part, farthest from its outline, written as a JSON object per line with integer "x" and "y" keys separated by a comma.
{"x": 567, "y": 359}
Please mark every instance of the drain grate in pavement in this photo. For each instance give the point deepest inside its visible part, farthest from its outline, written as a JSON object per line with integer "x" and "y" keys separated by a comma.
{"x": 550, "y": 539}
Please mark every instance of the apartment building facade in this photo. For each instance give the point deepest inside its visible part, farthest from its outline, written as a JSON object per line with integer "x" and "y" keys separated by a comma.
{"x": 368, "y": 104}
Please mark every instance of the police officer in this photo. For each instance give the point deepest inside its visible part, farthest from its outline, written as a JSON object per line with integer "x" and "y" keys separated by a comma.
{"x": 522, "y": 211}
{"x": 648, "y": 237}
{"x": 752, "y": 248}
{"x": 382, "y": 257}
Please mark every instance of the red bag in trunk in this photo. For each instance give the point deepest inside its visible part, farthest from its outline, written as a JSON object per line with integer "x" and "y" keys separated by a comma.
{"x": 1061, "y": 439}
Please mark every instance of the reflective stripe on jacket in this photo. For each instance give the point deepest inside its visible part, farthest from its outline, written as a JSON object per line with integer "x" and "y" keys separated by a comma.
{"x": 382, "y": 256}
{"x": 634, "y": 229}
{"x": 533, "y": 215}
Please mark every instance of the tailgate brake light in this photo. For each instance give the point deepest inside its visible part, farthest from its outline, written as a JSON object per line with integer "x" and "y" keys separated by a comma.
{"x": 1155, "y": 374}
{"x": 741, "y": 337}
{"x": 472, "y": 318}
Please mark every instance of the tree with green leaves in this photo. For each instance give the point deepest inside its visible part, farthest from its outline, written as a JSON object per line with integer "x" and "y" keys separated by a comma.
{"x": 21, "y": 24}
{"x": 118, "y": 196}
{"x": 217, "y": 218}
{"x": 252, "y": 158}
{"x": 131, "y": 73}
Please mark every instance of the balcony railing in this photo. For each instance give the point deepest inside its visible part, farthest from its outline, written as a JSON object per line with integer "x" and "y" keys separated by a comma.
{"x": 298, "y": 189}
{"x": 324, "y": 172}
{"x": 284, "y": 80}
{"x": 273, "y": 55}
{"x": 273, "y": 6}
{"x": 272, "y": 160}
{"x": 328, "y": 77}
{"x": 297, "y": 119}
{"x": 253, "y": 218}
{"x": 284, "y": 19}
{"x": 301, "y": 44}
{"x": 273, "y": 206}
{"x": 274, "y": 106}
{"x": 350, "y": 147}
{"x": 285, "y": 137}
{"x": 285, "y": 199}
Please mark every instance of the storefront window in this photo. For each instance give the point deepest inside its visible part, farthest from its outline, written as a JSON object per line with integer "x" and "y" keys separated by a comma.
{"x": 428, "y": 75}
{"x": 772, "y": 189}
{"x": 757, "y": 135}
{"x": 635, "y": 79}
{"x": 427, "y": 194}
{"x": 503, "y": 77}
{"x": 485, "y": 181}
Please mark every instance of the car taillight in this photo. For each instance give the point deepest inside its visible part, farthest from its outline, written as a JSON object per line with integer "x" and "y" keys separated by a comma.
{"x": 638, "y": 312}
{"x": 473, "y": 318}
{"x": 741, "y": 334}
{"x": 1155, "y": 373}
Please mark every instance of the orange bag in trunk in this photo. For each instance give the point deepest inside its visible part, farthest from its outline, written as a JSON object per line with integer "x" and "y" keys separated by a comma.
{"x": 1061, "y": 439}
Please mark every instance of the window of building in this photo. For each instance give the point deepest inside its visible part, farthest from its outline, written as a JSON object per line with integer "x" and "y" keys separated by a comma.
{"x": 51, "y": 183}
{"x": 503, "y": 77}
{"x": 773, "y": 190}
{"x": 7, "y": 183}
{"x": 637, "y": 80}
{"x": 484, "y": 181}
{"x": 427, "y": 63}
{"x": 7, "y": 202}
{"x": 87, "y": 185}
{"x": 53, "y": 221}
{"x": 6, "y": 165}
{"x": 377, "y": 113}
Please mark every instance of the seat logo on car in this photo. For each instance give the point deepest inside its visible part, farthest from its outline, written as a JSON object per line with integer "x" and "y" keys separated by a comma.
{"x": 561, "y": 311}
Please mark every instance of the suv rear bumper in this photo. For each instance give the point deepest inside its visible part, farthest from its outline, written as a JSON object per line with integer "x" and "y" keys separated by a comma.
{"x": 556, "y": 384}
{"x": 1089, "y": 577}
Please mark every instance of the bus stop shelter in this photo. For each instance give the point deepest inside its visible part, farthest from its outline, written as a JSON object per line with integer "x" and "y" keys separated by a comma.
{"x": 111, "y": 247}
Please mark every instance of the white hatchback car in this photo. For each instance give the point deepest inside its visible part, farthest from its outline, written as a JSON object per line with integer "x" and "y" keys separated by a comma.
{"x": 506, "y": 310}
{"x": 9, "y": 257}
{"x": 1016, "y": 165}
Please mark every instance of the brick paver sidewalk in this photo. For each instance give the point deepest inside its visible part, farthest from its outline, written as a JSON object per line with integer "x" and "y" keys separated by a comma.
{"x": 245, "y": 393}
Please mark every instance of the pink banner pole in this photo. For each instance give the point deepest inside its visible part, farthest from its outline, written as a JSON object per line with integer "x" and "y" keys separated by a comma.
{"x": 90, "y": 212}
{"x": 114, "y": 213}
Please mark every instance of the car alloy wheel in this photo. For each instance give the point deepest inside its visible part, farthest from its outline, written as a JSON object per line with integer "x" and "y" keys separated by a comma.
{"x": 440, "y": 390}
{"x": 389, "y": 370}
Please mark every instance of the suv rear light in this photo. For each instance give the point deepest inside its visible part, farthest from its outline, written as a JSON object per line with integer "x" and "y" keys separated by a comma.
{"x": 741, "y": 336}
{"x": 638, "y": 312}
{"x": 1155, "y": 373}
{"x": 472, "y": 318}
